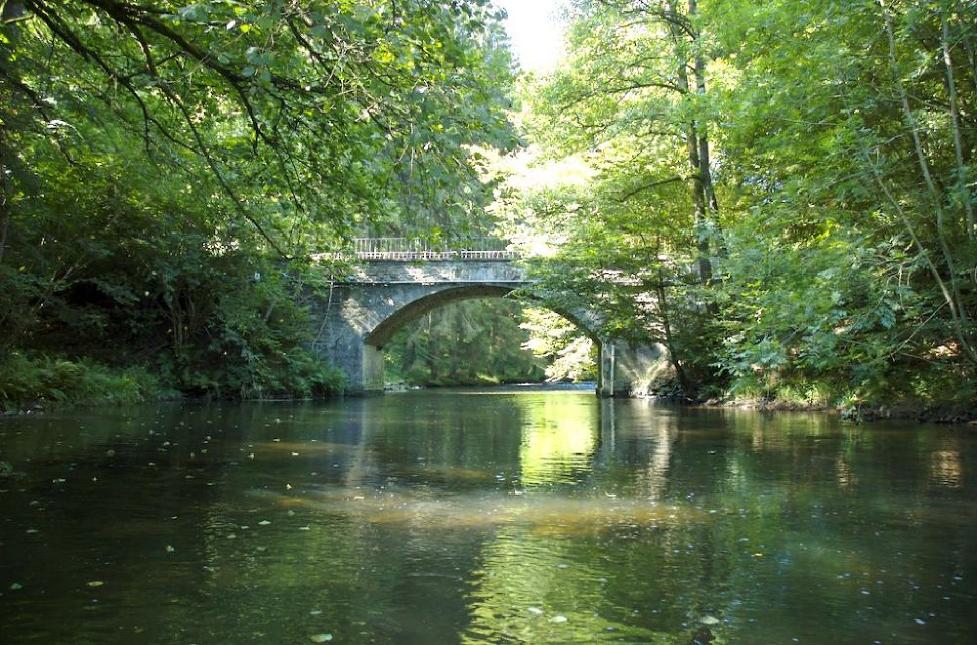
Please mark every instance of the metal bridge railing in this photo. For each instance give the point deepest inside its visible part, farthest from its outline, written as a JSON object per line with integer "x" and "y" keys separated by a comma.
{"x": 408, "y": 249}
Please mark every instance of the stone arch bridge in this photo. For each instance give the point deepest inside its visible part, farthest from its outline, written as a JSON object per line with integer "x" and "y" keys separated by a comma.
{"x": 391, "y": 287}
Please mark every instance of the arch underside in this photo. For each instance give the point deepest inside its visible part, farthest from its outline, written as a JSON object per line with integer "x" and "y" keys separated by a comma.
{"x": 415, "y": 309}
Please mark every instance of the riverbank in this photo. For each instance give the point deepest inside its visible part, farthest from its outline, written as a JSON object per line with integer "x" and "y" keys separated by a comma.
{"x": 830, "y": 398}
{"x": 30, "y": 384}
{"x": 35, "y": 382}
{"x": 950, "y": 413}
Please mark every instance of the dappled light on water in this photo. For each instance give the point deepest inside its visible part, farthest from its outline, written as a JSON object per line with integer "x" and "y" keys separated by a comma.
{"x": 553, "y": 514}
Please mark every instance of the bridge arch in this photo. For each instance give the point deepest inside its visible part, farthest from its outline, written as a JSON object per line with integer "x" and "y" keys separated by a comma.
{"x": 415, "y": 309}
{"x": 361, "y": 315}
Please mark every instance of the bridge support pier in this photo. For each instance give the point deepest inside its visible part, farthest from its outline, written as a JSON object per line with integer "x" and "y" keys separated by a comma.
{"x": 632, "y": 370}
{"x": 372, "y": 370}
{"x": 605, "y": 369}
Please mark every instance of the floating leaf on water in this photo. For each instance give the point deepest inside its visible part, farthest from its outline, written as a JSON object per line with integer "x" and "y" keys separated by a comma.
{"x": 558, "y": 619}
{"x": 320, "y": 638}
{"x": 95, "y": 583}
{"x": 709, "y": 620}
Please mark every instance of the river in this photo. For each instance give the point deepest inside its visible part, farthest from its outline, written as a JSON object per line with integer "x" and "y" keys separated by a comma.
{"x": 501, "y": 516}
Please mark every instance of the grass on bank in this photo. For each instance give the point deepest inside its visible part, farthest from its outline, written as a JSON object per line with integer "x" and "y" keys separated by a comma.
{"x": 934, "y": 389}
{"x": 29, "y": 380}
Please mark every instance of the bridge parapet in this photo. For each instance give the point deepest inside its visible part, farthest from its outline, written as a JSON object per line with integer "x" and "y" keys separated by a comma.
{"x": 402, "y": 249}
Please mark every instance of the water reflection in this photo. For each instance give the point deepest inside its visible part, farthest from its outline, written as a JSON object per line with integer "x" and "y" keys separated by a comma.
{"x": 515, "y": 517}
{"x": 559, "y": 439}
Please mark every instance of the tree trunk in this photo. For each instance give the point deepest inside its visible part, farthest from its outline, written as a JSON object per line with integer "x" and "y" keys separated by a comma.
{"x": 968, "y": 48}
{"x": 692, "y": 150}
{"x": 705, "y": 162}
{"x": 673, "y": 356}
{"x": 4, "y": 197}
{"x": 962, "y": 188}
{"x": 935, "y": 196}
{"x": 705, "y": 167}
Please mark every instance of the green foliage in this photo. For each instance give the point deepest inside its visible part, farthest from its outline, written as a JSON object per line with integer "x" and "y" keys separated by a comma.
{"x": 628, "y": 227}
{"x": 570, "y": 355}
{"x": 823, "y": 249}
{"x": 300, "y": 113}
{"x": 155, "y": 274}
{"x": 464, "y": 343}
{"x": 30, "y": 379}
{"x": 167, "y": 172}
{"x": 847, "y": 264}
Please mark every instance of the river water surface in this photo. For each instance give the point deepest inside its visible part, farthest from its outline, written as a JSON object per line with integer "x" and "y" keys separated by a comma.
{"x": 494, "y": 516}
